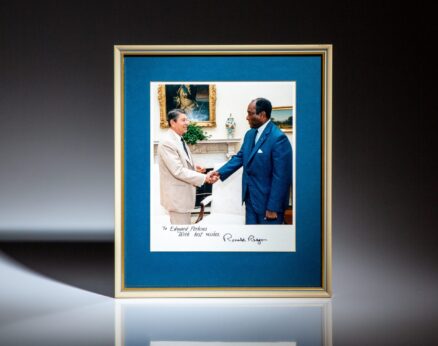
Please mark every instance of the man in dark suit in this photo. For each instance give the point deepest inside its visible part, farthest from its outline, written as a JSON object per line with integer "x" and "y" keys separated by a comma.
{"x": 266, "y": 157}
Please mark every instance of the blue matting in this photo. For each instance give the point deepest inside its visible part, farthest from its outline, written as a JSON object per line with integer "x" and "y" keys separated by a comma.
{"x": 143, "y": 268}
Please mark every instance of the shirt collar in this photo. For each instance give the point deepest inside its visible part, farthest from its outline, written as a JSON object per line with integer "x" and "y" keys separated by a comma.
{"x": 177, "y": 136}
{"x": 262, "y": 128}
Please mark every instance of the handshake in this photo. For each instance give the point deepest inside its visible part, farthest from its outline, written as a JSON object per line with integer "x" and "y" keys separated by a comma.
{"x": 212, "y": 177}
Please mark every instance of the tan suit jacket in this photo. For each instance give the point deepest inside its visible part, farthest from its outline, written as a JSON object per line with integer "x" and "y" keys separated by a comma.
{"x": 178, "y": 178}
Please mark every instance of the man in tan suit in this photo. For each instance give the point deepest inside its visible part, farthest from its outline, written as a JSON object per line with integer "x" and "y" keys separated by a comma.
{"x": 179, "y": 175}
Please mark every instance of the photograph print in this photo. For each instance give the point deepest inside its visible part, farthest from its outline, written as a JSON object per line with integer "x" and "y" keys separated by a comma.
{"x": 204, "y": 198}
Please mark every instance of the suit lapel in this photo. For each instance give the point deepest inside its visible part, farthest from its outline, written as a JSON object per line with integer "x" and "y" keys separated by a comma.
{"x": 181, "y": 151}
{"x": 261, "y": 140}
{"x": 190, "y": 158}
{"x": 183, "y": 154}
{"x": 249, "y": 147}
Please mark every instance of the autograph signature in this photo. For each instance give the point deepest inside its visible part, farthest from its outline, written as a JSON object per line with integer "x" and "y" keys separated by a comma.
{"x": 228, "y": 237}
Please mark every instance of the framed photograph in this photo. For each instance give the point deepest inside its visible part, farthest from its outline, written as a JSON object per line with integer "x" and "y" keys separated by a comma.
{"x": 245, "y": 211}
{"x": 197, "y": 100}
{"x": 283, "y": 117}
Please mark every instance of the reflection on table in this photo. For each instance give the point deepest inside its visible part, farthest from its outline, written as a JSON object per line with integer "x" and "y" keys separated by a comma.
{"x": 217, "y": 322}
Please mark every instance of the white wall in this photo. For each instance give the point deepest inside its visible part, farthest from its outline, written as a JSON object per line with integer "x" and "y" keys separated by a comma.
{"x": 231, "y": 97}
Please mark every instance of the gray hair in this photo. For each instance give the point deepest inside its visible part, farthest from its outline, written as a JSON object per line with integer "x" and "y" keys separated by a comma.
{"x": 174, "y": 114}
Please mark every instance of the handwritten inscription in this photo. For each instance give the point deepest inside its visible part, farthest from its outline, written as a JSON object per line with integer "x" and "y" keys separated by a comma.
{"x": 228, "y": 237}
{"x": 174, "y": 228}
{"x": 201, "y": 232}
{"x": 212, "y": 234}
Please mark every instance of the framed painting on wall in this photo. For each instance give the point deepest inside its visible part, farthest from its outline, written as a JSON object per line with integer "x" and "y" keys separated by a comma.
{"x": 197, "y": 100}
{"x": 283, "y": 117}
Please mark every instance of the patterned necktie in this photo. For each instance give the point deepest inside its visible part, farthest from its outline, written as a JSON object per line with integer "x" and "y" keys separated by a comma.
{"x": 185, "y": 148}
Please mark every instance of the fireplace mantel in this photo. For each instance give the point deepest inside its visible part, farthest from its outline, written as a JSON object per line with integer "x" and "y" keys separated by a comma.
{"x": 209, "y": 152}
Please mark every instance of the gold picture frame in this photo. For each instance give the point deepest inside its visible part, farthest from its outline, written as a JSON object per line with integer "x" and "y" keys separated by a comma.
{"x": 200, "y": 109}
{"x": 139, "y": 273}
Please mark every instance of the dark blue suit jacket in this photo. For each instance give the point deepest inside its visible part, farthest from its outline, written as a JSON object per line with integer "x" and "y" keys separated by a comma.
{"x": 267, "y": 169}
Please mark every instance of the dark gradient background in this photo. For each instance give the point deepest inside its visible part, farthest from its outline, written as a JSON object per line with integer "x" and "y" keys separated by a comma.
{"x": 56, "y": 136}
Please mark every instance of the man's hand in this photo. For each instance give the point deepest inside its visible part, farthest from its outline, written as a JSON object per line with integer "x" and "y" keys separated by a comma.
{"x": 200, "y": 169}
{"x": 212, "y": 177}
{"x": 271, "y": 215}
{"x": 215, "y": 176}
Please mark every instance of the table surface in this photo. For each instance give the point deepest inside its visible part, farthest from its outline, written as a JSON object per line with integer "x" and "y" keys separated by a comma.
{"x": 61, "y": 293}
